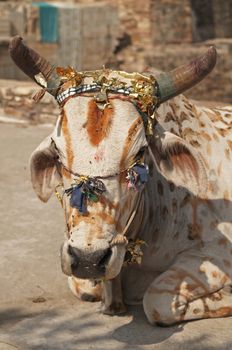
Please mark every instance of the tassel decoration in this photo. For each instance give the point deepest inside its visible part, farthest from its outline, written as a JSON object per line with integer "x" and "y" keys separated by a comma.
{"x": 137, "y": 176}
{"x": 84, "y": 189}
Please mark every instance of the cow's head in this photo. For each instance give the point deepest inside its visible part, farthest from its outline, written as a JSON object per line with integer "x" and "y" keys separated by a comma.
{"x": 98, "y": 138}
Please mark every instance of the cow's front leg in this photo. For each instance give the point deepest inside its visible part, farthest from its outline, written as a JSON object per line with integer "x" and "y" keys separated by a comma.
{"x": 112, "y": 297}
{"x": 194, "y": 290}
{"x": 84, "y": 289}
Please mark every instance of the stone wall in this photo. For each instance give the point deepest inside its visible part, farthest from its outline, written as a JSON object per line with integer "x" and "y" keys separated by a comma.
{"x": 171, "y": 21}
{"x": 87, "y": 34}
{"x": 16, "y": 101}
{"x": 152, "y": 34}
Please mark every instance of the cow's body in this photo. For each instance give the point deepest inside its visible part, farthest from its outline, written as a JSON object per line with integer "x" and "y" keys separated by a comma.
{"x": 186, "y": 226}
{"x": 181, "y": 215}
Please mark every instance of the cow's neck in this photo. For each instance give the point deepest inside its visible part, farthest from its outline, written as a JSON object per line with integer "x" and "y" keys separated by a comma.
{"x": 154, "y": 204}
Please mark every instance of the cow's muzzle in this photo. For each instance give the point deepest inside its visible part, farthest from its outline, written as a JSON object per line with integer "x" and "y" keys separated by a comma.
{"x": 82, "y": 264}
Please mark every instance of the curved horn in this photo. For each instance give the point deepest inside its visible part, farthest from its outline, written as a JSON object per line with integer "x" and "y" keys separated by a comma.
{"x": 33, "y": 65}
{"x": 186, "y": 76}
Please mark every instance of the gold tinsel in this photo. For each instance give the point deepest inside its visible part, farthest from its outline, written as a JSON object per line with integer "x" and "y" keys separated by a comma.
{"x": 142, "y": 88}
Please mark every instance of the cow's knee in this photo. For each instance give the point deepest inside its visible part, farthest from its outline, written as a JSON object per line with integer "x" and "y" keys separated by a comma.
{"x": 86, "y": 290}
{"x": 162, "y": 308}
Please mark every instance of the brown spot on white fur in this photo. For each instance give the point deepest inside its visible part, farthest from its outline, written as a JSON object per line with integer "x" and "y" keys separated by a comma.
{"x": 98, "y": 123}
{"x": 194, "y": 143}
{"x": 206, "y": 136}
{"x": 169, "y": 117}
{"x": 221, "y": 312}
{"x": 214, "y": 274}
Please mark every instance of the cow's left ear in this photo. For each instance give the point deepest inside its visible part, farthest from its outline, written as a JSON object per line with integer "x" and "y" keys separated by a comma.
{"x": 44, "y": 173}
{"x": 179, "y": 162}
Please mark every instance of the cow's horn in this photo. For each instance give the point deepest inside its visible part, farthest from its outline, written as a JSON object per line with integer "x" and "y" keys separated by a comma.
{"x": 186, "y": 76}
{"x": 33, "y": 65}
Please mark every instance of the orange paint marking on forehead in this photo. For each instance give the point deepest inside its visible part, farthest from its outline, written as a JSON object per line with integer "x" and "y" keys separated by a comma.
{"x": 98, "y": 123}
{"x": 129, "y": 141}
{"x": 68, "y": 140}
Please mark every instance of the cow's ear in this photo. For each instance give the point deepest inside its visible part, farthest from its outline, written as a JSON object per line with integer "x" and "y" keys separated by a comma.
{"x": 179, "y": 162}
{"x": 44, "y": 172}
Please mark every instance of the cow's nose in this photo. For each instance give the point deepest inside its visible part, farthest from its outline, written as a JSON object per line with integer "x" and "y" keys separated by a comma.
{"x": 89, "y": 264}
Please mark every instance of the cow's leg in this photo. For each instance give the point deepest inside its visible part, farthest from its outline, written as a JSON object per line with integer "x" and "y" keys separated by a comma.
{"x": 84, "y": 289}
{"x": 194, "y": 290}
{"x": 112, "y": 297}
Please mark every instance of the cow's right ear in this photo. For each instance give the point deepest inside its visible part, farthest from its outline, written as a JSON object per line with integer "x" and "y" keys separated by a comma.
{"x": 44, "y": 172}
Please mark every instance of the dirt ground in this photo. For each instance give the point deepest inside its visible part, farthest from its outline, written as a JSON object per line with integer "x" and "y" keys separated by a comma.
{"x": 37, "y": 310}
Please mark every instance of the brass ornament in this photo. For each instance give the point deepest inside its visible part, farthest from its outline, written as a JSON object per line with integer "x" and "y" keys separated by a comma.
{"x": 58, "y": 195}
{"x": 69, "y": 74}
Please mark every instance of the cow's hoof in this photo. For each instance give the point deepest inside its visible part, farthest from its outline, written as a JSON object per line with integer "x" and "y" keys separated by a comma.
{"x": 114, "y": 309}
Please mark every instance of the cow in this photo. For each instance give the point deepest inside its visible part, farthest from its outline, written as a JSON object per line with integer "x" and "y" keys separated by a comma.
{"x": 144, "y": 178}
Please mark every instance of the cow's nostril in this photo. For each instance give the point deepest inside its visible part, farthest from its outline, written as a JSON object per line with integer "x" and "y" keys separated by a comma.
{"x": 71, "y": 251}
{"x": 73, "y": 254}
{"x": 105, "y": 258}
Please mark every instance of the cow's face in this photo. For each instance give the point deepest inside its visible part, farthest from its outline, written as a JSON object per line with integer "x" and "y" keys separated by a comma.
{"x": 93, "y": 143}
{"x": 88, "y": 141}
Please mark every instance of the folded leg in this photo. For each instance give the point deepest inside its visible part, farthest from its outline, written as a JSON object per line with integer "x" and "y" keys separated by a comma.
{"x": 192, "y": 288}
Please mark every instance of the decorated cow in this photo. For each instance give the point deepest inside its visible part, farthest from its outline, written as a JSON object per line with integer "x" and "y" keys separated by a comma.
{"x": 144, "y": 178}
